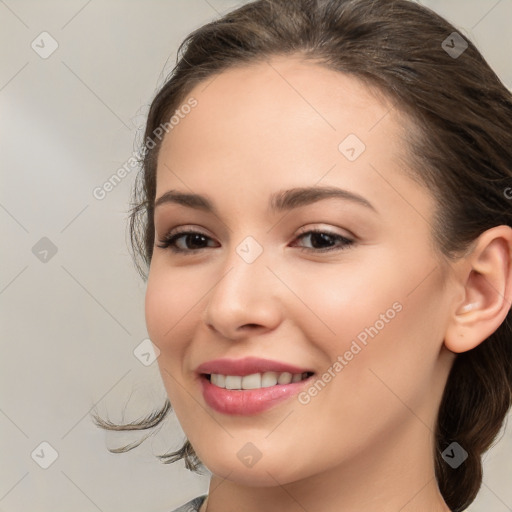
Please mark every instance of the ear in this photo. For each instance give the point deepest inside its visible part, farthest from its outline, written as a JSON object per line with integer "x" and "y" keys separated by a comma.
{"x": 485, "y": 276}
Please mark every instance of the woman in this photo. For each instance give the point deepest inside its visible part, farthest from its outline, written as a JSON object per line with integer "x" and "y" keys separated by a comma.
{"x": 324, "y": 208}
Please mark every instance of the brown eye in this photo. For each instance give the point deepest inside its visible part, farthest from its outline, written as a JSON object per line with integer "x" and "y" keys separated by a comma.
{"x": 184, "y": 241}
{"x": 323, "y": 241}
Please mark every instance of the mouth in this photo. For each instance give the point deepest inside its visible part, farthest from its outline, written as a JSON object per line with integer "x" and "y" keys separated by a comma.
{"x": 255, "y": 380}
{"x": 250, "y": 385}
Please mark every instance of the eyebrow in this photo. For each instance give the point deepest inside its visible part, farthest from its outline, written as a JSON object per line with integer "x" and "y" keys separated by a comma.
{"x": 279, "y": 202}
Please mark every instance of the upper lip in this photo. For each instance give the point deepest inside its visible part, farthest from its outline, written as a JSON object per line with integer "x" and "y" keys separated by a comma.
{"x": 247, "y": 366}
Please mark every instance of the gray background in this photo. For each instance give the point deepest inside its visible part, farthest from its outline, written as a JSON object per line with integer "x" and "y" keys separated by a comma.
{"x": 70, "y": 324}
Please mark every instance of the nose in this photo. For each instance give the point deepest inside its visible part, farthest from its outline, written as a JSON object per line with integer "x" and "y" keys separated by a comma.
{"x": 245, "y": 301}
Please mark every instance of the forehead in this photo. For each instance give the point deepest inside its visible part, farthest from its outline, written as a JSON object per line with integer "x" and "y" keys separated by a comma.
{"x": 282, "y": 98}
{"x": 289, "y": 122}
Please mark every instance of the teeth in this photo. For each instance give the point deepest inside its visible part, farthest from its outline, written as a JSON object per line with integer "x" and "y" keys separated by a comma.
{"x": 268, "y": 379}
{"x": 285, "y": 378}
{"x": 296, "y": 377}
{"x": 233, "y": 382}
{"x": 218, "y": 380}
{"x": 251, "y": 381}
{"x": 255, "y": 380}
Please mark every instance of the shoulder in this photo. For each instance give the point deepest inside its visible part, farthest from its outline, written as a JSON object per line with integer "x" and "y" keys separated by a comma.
{"x": 192, "y": 506}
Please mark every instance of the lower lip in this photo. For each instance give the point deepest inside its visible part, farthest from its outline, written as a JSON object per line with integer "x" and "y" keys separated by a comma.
{"x": 248, "y": 401}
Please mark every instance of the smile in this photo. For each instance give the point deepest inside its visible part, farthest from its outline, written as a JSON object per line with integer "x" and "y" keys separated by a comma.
{"x": 256, "y": 380}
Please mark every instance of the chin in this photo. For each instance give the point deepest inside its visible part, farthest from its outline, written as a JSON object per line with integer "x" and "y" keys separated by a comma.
{"x": 237, "y": 467}
{"x": 251, "y": 477}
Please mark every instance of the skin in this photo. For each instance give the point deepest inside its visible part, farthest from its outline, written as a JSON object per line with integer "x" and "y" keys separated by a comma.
{"x": 365, "y": 442}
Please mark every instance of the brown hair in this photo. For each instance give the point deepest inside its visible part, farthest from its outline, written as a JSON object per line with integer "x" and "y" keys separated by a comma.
{"x": 462, "y": 154}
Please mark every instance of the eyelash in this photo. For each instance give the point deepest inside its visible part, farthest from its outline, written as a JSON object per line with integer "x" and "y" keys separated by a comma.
{"x": 169, "y": 241}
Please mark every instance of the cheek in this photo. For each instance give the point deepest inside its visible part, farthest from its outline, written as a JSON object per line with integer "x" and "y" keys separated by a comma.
{"x": 387, "y": 318}
{"x": 345, "y": 299}
{"x": 171, "y": 302}
{"x": 172, "y": 308}
{"x": 164, "y": 308}
{"x": 399, "y": 332}
{"x": 159, "y": 304}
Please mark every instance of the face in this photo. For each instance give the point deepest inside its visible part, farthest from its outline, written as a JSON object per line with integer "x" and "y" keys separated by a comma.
{"x": 263, "y": 277}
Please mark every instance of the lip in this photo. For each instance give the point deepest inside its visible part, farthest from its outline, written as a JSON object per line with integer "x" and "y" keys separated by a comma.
{"x": 247, "y": 366}
{"x": 245, "y": 402}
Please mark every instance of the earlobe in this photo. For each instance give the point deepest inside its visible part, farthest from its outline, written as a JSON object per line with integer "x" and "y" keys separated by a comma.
{"x": 486, "y": 278}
